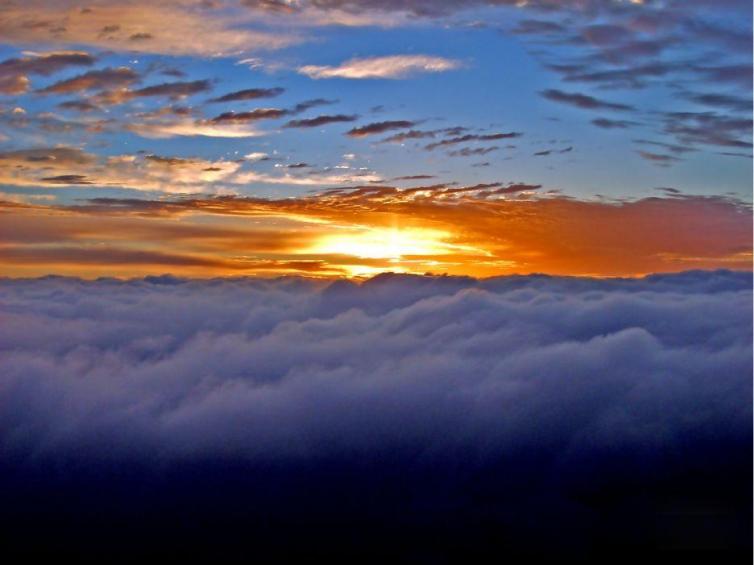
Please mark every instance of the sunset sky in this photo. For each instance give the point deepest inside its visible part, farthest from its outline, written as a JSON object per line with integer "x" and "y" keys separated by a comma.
{"x": 348, "y": 138}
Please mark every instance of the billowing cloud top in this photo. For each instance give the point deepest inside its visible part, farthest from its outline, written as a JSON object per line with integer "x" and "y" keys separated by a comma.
{"x": 567, "y": 397}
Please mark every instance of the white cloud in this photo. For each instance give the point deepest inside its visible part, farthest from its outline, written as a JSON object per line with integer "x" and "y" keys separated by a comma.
{"x": 308, "y": 180}
{"x": 190, "y": 127}
{"x": 391, "y": 67}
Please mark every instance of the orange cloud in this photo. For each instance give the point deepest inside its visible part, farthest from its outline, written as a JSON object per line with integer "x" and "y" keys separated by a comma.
{"x": 482, "y": 231}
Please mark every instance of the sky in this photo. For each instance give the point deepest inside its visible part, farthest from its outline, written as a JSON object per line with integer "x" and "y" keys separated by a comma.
{"x": 335, "y": 138}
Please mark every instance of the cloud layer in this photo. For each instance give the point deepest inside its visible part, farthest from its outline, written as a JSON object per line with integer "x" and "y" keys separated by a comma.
{"x": 542, "y": 395}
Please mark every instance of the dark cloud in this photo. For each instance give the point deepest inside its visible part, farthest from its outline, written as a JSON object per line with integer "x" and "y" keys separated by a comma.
{"x": 251, "y": 115}
{"x": 409, "y": 135}
{"x": 547, "y": 152}
{"x": 606, "y": 34}
{"x": 739, "y": 75}
{"x": 102, "y": 79}
{"x": 583, "y": 101}
{"x": 672, "y": 147}
{"x": 472, "y": 137}
{"x": 709, "y": 128}
{"x": 309, "y": 104}
{"x": 379, "y": 127}
{"x": 723, "y": 101}
{"x": 174, "y": 89}
{"x": 67, "y": 179}
{"x": 606, "y": 123}
{"x": 542, "y": 417}
{"x": 413, "y": 134}
{"x": 658, "y": 158}
{"x": 321, "y": 121}
{"x": 13, "y": 72}
{"x": 272, "y": 6}
{"x": 56, "y": 155}
{"x": 473, "y": 151}
{"x": 415, "y": 177}
{"x": 537, "y": 27}
{"x": 249, "y": 94}
{"x": 78, "y": 105}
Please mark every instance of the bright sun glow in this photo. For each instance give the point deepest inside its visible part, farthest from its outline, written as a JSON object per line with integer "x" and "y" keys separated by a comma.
{"x": 385, "y": 243}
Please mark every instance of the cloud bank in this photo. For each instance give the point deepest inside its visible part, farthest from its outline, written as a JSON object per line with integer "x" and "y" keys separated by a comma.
{"x": 502, "y": 410}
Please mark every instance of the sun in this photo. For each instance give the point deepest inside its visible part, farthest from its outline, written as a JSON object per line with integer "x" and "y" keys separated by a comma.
{"x": 385, "y": 243}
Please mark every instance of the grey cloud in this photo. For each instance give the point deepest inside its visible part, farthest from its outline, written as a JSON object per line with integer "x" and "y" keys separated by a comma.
{"x": 583, "y": 101}
{"x": 320, "y": 121}
{"x": 13, "y": 72}
{"x": 251, "y": 115}
{"x": 606, "y": 123}
{"x": 472, "y": 137}
{"x": 109, "y": 78}
{"x": 379, "y": 127}
{"x": 709, "y": 128}
{"x": 658, "y": 158}
{"x": 175, "y": 89}
{"x": 473, "y": 151}
{"x": 249, "y": 94}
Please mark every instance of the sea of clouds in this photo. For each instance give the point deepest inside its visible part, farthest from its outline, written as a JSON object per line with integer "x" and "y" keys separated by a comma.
{"x": 588, "y": 412}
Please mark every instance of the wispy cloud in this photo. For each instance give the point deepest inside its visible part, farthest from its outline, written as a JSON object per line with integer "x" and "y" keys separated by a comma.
{"x": 391, "y": 67}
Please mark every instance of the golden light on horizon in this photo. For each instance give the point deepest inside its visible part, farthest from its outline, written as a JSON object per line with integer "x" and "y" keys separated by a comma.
{"x": 385, "y": 243}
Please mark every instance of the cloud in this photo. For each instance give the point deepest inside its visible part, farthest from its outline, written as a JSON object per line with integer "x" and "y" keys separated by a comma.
{"x": 249, "y": 94}
{"x": 672, "y": 147}
{"x": 582, "y": 101}
{"x": 606, "y": 123}
{"x": 250, "y": 116}
{"x": 110, "y": 78}
{"x": 709, "y": 128}
{"x": 174, "y": 89}
{"x": 473, "y": 137}
{"x": 166, "y": 128}
{"x": 535, "y": 406}
{"x": 724, "y": 101}
{"x": 13, "y": 72}
{"x": 379, "y": 127}
{"x": 473, "y": 151}
{"x": 78, "y": 105}
{"x": 658, "y": 158}
{"x": 392, "y": 67}
{"x": 737, "y": 75}
{"x": 320, "y": 121}
{"x": 68, "y": 166}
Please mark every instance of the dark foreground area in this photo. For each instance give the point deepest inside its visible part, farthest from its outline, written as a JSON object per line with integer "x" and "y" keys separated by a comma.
{"x": 408, "y": 419}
